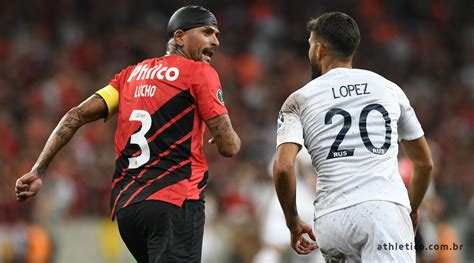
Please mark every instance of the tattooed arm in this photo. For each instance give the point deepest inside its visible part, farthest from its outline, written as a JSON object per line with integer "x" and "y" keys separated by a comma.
{"x": 224, "y": 136}
{"x": 92, "y": 109}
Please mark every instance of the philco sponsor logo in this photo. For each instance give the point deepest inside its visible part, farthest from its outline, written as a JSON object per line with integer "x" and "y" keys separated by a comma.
{"x": 142, "y": 72}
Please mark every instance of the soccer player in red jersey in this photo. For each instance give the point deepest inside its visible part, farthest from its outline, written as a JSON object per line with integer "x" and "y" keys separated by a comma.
{"x": 163, "y": 105}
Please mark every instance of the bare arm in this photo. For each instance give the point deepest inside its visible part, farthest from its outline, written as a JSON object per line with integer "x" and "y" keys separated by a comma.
{"x": 285, "y": 185}
{"x": 419, "y": 153}
{"x": 90, "y": 110}
{"x": 285, "y": 180}
{"x": 224, "y": 136}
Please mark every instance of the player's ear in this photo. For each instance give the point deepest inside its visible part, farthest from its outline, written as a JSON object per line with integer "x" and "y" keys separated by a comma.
{"x": 179, "y": 37}
{"x": 321, "y": 50}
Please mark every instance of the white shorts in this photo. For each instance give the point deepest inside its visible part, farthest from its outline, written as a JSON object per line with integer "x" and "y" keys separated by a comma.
{"x": 373, "y": 231}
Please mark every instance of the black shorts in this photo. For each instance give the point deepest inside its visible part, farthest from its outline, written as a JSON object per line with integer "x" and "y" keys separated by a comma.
{"x": 157, "y": 231}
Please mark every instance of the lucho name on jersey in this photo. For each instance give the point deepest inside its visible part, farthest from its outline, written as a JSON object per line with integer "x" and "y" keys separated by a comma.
{"x": 143, "y": 72}
{"x": 144, "y": 91}
{"x": 349, "y": 90}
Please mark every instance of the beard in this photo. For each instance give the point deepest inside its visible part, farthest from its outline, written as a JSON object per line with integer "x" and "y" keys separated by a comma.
{"x": 315, "y": 69}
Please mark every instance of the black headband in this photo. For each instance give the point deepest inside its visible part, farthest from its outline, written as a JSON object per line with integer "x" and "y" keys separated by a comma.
{"x": 190, "y": 17}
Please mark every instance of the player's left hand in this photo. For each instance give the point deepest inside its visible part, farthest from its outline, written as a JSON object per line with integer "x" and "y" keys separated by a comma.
{"x": 299, "y": 243}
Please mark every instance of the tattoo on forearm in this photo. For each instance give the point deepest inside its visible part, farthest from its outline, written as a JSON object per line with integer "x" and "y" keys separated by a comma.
{"x": 217, "y": 128}
{"x": 40, "y": 171}
{"x": 93, "y": 109}
{"x": 222, "y": 131}
{"x": 60, "y": 137}
{"x": 72, "y": 121}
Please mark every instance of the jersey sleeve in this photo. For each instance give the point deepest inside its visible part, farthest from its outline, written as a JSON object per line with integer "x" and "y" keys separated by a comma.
{"x": 409, "y": 128}
{"x": 111, "y": 94}
{"x": 208, "y": 94}
{"x": 290, "y": 128}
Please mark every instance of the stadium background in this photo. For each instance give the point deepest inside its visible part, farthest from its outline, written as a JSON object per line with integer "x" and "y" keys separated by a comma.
{"x": 55, "y": 53}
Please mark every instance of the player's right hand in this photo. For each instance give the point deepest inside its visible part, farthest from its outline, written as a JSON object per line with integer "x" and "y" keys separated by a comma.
{"x": 27, "y": 186}
{"x": 299, "y": 243}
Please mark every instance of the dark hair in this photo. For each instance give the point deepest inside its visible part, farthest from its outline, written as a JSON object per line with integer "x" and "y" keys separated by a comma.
{"x": 339, "y": 30}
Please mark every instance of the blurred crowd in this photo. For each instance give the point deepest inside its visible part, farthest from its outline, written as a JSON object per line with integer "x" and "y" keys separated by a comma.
{"x": 56, "y": 53}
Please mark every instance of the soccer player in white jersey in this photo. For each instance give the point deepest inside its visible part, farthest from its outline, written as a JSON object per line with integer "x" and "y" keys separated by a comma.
{"x": 351, "y": 121}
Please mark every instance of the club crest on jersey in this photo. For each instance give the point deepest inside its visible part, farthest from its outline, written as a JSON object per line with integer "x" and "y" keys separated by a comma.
{"x": 220, "y": 97}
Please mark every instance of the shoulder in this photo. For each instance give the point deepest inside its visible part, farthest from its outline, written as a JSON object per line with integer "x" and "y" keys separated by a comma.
{"x": 381, "y": 81}
{"x": 300, "y": 97}
{"x": 139, "y": 64}
{"x": 122, "y": 75}
{"x": 192, "y": 67}
{"x": 196, "y": 72}
{"x": 393, "y": 88}
{"x": 134, "y": 69}
{"x": 204, "y": 73}
{"x": 206, "y": 69}
{"x": 313, "y": 85}
{"x": 294, "y": 102}
{"x": 149, "y": 61}
{"x": 377, "y": 77}
{"x": 195, "y": 66}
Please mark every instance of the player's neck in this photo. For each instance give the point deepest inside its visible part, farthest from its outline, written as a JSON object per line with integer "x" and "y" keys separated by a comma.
{"x": 335, "y": 63}
{"x": 173, "y": 49}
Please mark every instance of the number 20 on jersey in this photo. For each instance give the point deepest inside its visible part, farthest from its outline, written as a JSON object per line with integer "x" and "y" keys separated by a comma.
{"x": 335, "y": 152}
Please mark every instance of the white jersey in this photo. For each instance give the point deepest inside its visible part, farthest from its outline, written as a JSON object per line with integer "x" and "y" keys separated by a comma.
{"x": 350, "y": 120}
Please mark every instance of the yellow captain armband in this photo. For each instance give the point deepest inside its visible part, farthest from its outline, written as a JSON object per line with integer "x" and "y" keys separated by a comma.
{"x": 111, "y": 97}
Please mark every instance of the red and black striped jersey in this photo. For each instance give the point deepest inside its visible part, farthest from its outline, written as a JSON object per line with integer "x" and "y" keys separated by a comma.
{"x": 162, "y": 105}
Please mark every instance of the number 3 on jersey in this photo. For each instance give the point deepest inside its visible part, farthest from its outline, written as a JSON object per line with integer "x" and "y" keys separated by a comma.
{"x": 140, "y": 139}
{"x": 335, "y": 152}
